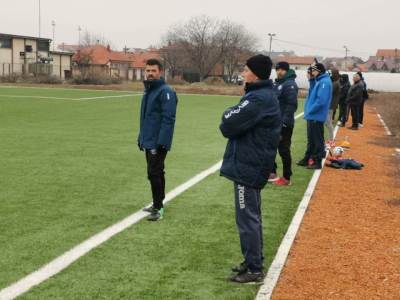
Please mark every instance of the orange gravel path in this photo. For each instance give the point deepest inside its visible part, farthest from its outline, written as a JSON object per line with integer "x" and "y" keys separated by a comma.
{"x": 348, "y": 246}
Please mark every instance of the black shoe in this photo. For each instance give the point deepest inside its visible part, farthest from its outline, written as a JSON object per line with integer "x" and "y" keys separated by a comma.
{"x": 248, "y": 278}
{"x": 240, "y": 269}
{"x": 352, "y": 128}
{"x": 156, "y": 215}
{"x": 149, "y": 209}
{"x": 302, "y": 163}
{"x": 315, "y": 166}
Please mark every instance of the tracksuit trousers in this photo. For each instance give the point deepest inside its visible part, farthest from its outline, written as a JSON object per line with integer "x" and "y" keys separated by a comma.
{"x": 249, "y": 224}
{"x": 284, "y": 152}
{"x": 315, "y": 141}
{"x": 156, "y": 175}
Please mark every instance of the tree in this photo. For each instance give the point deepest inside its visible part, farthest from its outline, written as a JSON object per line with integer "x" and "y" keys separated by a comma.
{"x": 203, "y": 42}
{"x": 89, "y": 39}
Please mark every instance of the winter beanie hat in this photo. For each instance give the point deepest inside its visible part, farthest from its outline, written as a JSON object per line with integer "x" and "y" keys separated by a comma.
{"x": 282, "y": 65}
{"x": 318, "y": 67}
{"x": 260, "y": 65}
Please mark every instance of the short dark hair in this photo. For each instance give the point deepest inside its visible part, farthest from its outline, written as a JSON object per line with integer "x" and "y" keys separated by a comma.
{"x": 154, "y": 62}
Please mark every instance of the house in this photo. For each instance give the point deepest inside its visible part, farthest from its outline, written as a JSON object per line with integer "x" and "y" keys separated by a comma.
{"x": 68, "y": 47}
{"x": 31, "y": 55}
{"x": 101, "y": 59}
{"x": 350, "y": 63}
{"x": 296, "y": 62}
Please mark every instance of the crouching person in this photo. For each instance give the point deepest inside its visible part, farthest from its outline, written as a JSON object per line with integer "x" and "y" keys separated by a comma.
{"x": 253, "y": 130}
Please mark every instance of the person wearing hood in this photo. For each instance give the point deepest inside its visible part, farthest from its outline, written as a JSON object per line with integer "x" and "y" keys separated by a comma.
{"x": 253, "y": 129}
{"x": 157, "y": 122}
{"x": 343, "y": 105}
{"x": 364, "y": 98}
{"x": 287, "y": 91}
{"x": 315, "y": 112}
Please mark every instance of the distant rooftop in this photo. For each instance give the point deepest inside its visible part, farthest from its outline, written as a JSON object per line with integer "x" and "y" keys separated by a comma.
{"x": 6, "y": 35}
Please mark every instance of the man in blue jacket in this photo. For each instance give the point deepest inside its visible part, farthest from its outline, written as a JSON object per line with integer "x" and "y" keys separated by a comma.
{"x": 287, "y": 91}
{"x": 252, "y": 128}
{"x": 315, "y": 112}
{"x": 157, "y": 121}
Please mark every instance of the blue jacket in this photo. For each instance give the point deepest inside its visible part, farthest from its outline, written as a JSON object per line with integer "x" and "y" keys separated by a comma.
{"x": 287, "y": 91}
{"x": 157, "y": 115}
{"x": 319, "y": 98}
{"x": 253, "y": 128}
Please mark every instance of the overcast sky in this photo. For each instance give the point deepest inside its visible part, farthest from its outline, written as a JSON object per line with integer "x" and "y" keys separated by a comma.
{"x": 362, "y": 25}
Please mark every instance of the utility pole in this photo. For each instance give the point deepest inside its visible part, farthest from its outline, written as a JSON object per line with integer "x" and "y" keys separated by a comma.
{"x": 53, "y": 23}
{"x": 39, "y": 19}
{"x": 396, "y": 62}
{"x": 271, "y": 35}
{"x": 79, "y": 37}
{"x": 345, "y": 57}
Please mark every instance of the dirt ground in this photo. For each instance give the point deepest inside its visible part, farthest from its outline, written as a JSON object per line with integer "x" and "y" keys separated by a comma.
{"x": 348, "y": 246}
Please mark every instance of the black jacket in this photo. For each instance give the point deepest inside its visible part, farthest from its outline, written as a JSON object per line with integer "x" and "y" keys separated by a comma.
{"x": 253, "y": 128}
{"x": 287, "y": 91}
{"x": 355, "y": 94}
{"x": 344, "y": 89}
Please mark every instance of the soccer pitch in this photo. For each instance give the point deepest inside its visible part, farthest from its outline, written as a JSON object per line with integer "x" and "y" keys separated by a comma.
{"x": 70, "y": 167}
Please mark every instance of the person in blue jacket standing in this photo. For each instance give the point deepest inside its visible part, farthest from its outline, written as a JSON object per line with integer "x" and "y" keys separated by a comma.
{"x": 316, "y": 111}
{"x": 253, "y": 129}
{"x": 157, "y": 121}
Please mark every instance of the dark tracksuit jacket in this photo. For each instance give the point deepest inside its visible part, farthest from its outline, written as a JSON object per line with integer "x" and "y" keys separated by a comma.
{"x": 253, "y": 130}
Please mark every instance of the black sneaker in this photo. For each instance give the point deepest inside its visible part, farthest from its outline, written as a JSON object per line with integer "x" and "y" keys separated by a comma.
{"x": 248, "y": 278}
{"x": 315, "y": 166}
{"x": 149, "y": 209}
{"x": 240, "y": 269}
{"x": 156, "y": 215}
{"x": 302, "y": 163}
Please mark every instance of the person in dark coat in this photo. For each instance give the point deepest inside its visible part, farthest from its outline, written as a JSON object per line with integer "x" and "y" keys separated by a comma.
{"x": 287, "y": 91}
{"x": 343, "y": 105}
{"x": 252, "y": 128}
{"x": 365, "y": 98}
{"x": 157, "y": 122}
{"x": 355, "y": 99}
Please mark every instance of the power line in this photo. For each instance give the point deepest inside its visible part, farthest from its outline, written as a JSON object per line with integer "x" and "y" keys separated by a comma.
{"x": 317, "y": 47}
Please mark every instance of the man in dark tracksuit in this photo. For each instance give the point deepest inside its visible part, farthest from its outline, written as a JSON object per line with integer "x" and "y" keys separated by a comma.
{"x": 355, "y": 99}
{"x": 157, "y": 121}
{"x": 253, "y": 130}
{"x": 364, "y": 98}
{"x": 343, "y": 105}
{"x": 287, "y": 91}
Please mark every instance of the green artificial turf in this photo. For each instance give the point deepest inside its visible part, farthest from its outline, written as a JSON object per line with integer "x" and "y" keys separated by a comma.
{"x": 72, "y": 168}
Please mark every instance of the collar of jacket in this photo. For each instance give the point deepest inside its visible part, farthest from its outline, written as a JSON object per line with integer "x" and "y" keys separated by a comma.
{"x": 153, "y": 84}
{"x": 321, "y": 76}
{"x": 258, "y": 85}
{"x": 291, "y": 74}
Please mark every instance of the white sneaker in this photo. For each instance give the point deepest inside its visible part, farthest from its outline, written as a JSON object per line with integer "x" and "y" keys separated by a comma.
{"x": 360, "y": 125}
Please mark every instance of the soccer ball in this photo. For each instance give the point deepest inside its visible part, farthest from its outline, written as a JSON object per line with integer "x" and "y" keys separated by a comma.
{"x": 337, "y": 151}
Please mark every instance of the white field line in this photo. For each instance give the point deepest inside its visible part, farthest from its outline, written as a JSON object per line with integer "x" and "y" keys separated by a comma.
{"x": 388, "y": 132}
{"x": 62, "y": 262}
{"x": 104, "y": 97}
{"x": 278, "y": 263}
{"x": 71, "y": 99}
{"x": 66, "y": 259}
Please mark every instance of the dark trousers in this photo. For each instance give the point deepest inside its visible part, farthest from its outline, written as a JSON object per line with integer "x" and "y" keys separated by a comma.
{"x": 361, "y": 112}
{"x": 156, "y": 175}
{"x": 315, "y": 141}
{"x": 343, "y": 112}
{"x": 355, "y": 114}
{"x": 249, "y": 224}
{"x": 284, "y": 152}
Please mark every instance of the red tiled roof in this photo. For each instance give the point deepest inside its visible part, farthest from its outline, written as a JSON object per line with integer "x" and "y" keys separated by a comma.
{"x": 101, "y": 55}
{"x": 388, "y": 53}
{"x": 140, "y": 58}
{"x": 296, "y": 60}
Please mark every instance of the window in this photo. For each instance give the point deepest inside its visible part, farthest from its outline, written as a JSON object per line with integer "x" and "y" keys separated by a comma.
{"x": 5, "y": 43}
{"x": 43, "y": 46}
{"x": 28, "y": 48}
